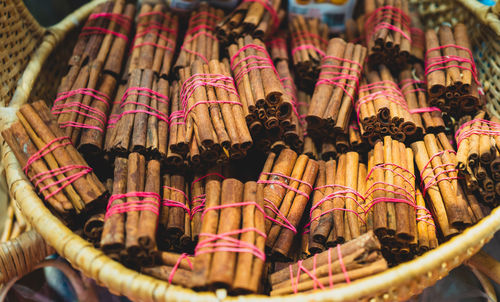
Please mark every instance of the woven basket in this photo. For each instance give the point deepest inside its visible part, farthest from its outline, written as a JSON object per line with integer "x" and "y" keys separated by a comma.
{"x": 24, "y": 49}
{"x": 399, "y": 283}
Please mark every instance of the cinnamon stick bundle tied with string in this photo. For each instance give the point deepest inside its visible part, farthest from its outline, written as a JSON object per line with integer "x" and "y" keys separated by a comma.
{"x": 309, "y": 40}
{"x": 337, "y": 212}
{"x": 140, "y": 123}
{"x": 388, "y": 33}
{"x": 131, "y": 219}
{"x": 478, "y": 142}
{"x": 200, "y": 41}
{"x": 331, "y": 103}
{"x": 175, "y": 218}
{"x": 288, "y": 181}
{"x": 58, "y": 172}
{"x": 154, "y": 42}
{"x": 382, "y": 108}
{"x": 427, "y": 119}
{"x": 230, "y": 250}
{"x": 453, "y": 209}
{"x": 174, "y": 268}
{"x": 85, "y": 93}
{"x": 215, "y": 127}
{"x": 452, "y": 78}
{"x": 390, "y": 198}
{"x": 356, "y": 259}
{"x": 256, "y": 18}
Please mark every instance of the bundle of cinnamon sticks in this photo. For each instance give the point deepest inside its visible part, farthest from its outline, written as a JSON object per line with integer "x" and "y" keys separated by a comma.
{"x": 174, "y": 226}
{"x": 129, "y": 233}
{"x": 331, "y": 104}
{"x": 427, "y": 119}
{"x": 200, "y": 41}
{"x": 53, "y": 165}
{"x": 453, "y": 208}
{"x": 174, "y": 268}
{"x": 390, "y": 198}
{"x": 308, "y": 39}
{"x": 382, "y": 108}
{"x": 214, "y": 123}
{"x": 85, "y": 93}
{"x": 287, "y": 181}
{"x": 387, "y": 33}
{"x": 140, "y": 121}
{"x": 258, "y": 18}
{"x": 269, "y": 110}
{"x": 452, "y": 79}
{"x": 230, "y": 250}
{"x": 356, "y": 259}
{"x": 417, "y": 53}
{"x": 337, "y": 211}
{"x": 478, "y": 155}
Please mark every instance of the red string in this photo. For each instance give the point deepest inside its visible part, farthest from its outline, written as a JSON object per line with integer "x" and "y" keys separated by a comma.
{"x": 434, "y": 179}
{"x": 143, "y": 91}
{"x": 268, "y": 5}
{"x": 206, "y": 79}
{"x": 207, "y": 175}
{"x": 316, "y": 282}
{"x": 198, "y": 203}
{"x": 476, "y": 126}
{"x": 262, "y": 61}
{"x": 386, "y": 89}
{"x": 94, "y": 30}
{"x": 176, "y": 266}
{"x": 225, "y": 242}
{"x": 120, "y": 19}
{"x": 439, "y": 63}
{"x": 148, "y": 201}
{"x": 377, "y": 21}
{"x": 175, "y": 203}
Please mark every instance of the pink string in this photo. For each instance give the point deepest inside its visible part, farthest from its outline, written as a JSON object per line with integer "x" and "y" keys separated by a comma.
{"x": 307, "y": 35}
{"x": 262, "y": 61}
{"x": 225, "y": 242}
{"x": 276, "y": 182}
{"x": 206, "y": 79}
{"x": 143, "y": 91}
{"x": 45, "y": 150}
{"x": 207, "y": 175}
{"x": 270, "y": 8}
{"x": 202, "y": 23}
{"x": 377, "y": 21}
{"x": 439, "y": 63}
{"x": 303, "y": 40}
{"x": 120, "y": 19}
{"x": 197, "y": 208}
{"x": 175, "y": 203}
{"x": 418, "y": 37}
{"x": 384, "y": 89}
{"x": 94, "y": 30}
{"x": 435, "y": 177}
{"x": 476, "y": 129}
{"x": 176, "y": 266}
{"x": 147, "y": 201}
{"x": 312, "y": 275}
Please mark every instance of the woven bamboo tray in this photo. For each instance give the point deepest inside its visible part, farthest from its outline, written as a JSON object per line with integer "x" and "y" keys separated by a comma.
{"x": 399, "y": 283}
{"x": 25, "y": 48}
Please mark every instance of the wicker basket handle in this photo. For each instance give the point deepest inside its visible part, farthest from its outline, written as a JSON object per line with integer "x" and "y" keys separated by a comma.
{"x": 486, "y": 264}
{"x": 19, "y": 255}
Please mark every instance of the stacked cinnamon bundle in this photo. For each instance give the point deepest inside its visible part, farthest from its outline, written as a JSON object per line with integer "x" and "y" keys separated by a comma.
{"x": 417, "y": 53}
{"x": 452, "y": 79}
{"x": 308, "y": 39}
{"x": 452, "y": 208}
{"x": 382, "y": 108}
{"x": 174, "y": 268}
{"x": 174, "y": 226}
{"x": 478, "y": 158}
{"x": 331, "y": 104}
{"x": 390, "y": 198}
{"x": 52, "y": 164}
{"x": 140, "y": 114}
{"x": 356, "y": 259}
{"x": 337, "y": 211}
{"x": 258, "y": 18}
{"x": 129, "y": 233}
{"x": 86, "y": 91}
{"x": 200, "y": 41}
{"x": 268, "y": 108}
{"x": 387, "y": 33}
{"x": 427, "y": 119}
{"x": 215, "y": 128}
{"x": 230, "y": 249}
{"x": 288, "y": 180}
